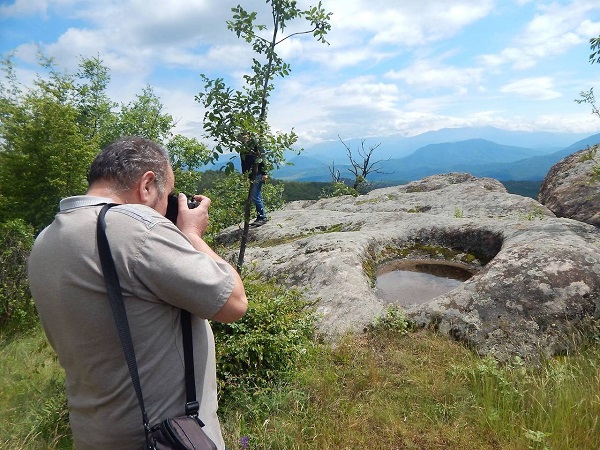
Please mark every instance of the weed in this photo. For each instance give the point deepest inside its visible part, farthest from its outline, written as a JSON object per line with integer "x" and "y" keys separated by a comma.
{"x": 536, "y": 214}
{"x": 392, "y": 320}
{"x": 416, "y": 209}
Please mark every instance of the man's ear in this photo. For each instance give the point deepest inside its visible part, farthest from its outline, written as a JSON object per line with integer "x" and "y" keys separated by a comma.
{"x": 146, "y": 186}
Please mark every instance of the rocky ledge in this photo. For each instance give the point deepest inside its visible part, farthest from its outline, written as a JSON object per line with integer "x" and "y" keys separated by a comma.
{"x": 537, "y": 277}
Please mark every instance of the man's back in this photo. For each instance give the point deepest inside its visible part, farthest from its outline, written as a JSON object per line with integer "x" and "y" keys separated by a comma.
{"x": 159, "y": 273}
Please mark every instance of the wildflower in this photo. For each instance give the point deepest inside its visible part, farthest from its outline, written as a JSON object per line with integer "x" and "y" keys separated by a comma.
{"x": 244, "y": 441}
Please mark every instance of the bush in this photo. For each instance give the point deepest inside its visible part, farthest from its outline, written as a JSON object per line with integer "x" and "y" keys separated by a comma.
{"x": 338, "y": 189}
{"x": 17, "y": 311}
{"x": 391, "y": 320}
{"x": 267, "y": 344}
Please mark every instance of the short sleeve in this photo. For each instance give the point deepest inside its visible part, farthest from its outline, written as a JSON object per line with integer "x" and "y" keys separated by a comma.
{"x": 170, "y": 269}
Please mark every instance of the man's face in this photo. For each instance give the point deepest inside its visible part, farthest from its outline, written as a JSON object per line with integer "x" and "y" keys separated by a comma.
{"x": 159, "y": 203}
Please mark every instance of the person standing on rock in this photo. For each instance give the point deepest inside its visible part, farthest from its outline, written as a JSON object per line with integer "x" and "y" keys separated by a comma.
{"x": 250, "y": 157}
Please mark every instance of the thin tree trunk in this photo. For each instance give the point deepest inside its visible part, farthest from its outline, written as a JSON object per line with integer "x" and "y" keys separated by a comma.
{"x": 247, "y": 210}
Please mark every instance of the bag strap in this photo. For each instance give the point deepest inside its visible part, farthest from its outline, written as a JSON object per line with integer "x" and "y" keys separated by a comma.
{"x": 115, "y": 296}
{"x": 191, "y": 405}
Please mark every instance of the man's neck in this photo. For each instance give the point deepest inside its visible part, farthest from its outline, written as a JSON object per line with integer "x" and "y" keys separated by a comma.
{"x": 107, "y": 190}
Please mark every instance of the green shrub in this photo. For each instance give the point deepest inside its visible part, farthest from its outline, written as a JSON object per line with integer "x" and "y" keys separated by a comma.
{"x": 17, "y": 311}
{"x": 267, "y": 344}
{"x": 338, "y": 189}
{"x": 392, "y": 320}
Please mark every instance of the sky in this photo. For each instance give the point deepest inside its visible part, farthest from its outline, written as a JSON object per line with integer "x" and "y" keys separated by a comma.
{"x": 390, "y": 66}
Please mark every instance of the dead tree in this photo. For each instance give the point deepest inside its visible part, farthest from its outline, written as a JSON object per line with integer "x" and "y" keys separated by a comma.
{"x": 361, "y": 169}
{"x": 336, "y": 176}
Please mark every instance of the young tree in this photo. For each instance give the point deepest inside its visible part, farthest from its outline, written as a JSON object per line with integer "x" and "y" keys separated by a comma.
{"x": 44, "y": 152}
{"x": 233, "y": 117}
{"x": 96, "y": 116}
{"x": 589, "y": 98}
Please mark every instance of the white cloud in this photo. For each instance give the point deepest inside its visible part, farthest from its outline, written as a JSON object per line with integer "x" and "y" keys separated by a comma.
{"x": 23, "y": 8}
{"x": 540, "y": 88}
{"x": 406, "y": 23}
{"x": 589, "y": 28}
{"x": 429, "y": 75}
{"x": 553, "y": 31}
{"x": 391, "y": 67}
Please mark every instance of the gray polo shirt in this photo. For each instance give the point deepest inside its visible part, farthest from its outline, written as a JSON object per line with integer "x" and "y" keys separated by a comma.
{"x": 159, "y": 272}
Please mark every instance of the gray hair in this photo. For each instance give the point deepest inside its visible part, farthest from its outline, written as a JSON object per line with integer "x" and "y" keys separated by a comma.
{"x": 125, "y": 160}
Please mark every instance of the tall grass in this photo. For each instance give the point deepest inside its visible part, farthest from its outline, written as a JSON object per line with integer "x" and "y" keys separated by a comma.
{"x": 32, "y": 401}
{"x": 556, "y": 405}
{"x": 381, "y": 390}
{"x": 422, "y": 391}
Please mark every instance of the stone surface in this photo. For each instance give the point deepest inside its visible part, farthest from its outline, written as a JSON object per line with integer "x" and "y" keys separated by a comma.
{"x": 569, "y": 189}
{"x": 537, "y": 276}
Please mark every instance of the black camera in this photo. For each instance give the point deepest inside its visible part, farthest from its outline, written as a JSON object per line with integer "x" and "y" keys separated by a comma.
{"x": 173, "y": 207}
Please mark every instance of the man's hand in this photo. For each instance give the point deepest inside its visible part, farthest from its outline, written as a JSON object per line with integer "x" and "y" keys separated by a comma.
{"x": 193, "y": 221}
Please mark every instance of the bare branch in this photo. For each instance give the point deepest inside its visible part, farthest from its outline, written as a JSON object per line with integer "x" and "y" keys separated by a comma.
{"x": 362, "y": 169}
{"x": 336, "y": 176}
{"x": 297, "y": 34}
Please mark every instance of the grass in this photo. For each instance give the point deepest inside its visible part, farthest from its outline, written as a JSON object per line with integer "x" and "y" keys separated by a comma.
{"x": 422, "y": 391}
{"x": 378, "y": 390}
{"x": 32, "y": 398}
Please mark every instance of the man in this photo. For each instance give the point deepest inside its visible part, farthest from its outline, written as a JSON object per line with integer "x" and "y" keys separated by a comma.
{"x": 248, "y": 158}
{"x": 162, "y": 268}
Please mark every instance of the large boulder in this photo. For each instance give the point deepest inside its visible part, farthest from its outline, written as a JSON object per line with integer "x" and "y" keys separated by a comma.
{"x": 571, "y": 188}
{"x": 537, "y": 277}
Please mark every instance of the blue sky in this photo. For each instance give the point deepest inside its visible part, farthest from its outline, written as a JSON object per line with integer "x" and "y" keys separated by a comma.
{"x": 391, "y": 67}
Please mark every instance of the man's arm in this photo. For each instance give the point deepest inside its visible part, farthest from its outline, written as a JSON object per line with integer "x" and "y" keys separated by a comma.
{"x": 193, "y": 223}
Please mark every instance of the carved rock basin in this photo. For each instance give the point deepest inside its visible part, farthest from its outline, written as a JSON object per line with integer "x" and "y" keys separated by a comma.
{"x": 414, "y": 282}
{"x": 537, "y": 276}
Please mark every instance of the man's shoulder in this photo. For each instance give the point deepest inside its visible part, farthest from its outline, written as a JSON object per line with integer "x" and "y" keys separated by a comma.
{"x": 145, "y": 215}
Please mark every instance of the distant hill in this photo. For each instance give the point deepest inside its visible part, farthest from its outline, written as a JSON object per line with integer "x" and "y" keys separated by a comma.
{"x": 479, "y": 157}
{"x": 534, "y": 168}
{"x": 397, "y": 145}
{"x": 455, "y": 157}
{"x": 514, "y": 156}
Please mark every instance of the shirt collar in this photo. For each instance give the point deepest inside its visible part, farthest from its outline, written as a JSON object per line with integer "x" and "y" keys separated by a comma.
{"x": 82, "y": 200}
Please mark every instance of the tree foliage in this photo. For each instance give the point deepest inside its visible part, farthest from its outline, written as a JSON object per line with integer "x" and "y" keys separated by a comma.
{"x": 588, "y": 96}
{"x": 51, "y": 131}
{"x": 595, "y": 47}
{"x": 16, "y": 307}
{"x": 45, "y": 151}
{"x": 234, "y": 117}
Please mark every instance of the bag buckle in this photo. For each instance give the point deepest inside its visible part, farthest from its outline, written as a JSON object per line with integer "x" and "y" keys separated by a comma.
{"x": 192, "y": 408}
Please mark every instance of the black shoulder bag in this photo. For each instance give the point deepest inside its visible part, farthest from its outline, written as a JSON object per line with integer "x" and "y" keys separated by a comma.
{"x": 177, "y": 433}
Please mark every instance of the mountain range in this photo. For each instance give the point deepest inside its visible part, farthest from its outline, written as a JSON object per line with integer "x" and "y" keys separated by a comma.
{"x": 483, "y": 152}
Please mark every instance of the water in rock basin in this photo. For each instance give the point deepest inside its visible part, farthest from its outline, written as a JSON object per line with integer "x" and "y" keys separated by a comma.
{"x": 418, "y": 281}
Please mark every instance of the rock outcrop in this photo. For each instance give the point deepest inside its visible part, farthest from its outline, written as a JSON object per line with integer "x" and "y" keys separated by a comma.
{"x": 537, "y": 276}
{"x": 570, "y": 188}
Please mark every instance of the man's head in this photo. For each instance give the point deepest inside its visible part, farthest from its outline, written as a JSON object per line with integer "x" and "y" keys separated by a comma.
{"x": 134, "y": 169}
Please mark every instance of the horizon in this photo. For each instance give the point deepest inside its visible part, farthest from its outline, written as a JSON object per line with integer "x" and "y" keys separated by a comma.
{"x": 390, "y": 69}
